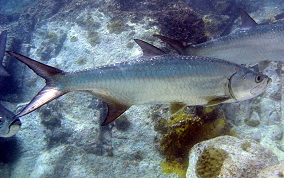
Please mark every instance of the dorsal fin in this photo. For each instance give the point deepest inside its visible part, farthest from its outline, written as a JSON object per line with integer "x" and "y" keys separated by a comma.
{"x": 148, "y": 49}
{"x": 247, "y": 21}
{"x": 179, "y": 46}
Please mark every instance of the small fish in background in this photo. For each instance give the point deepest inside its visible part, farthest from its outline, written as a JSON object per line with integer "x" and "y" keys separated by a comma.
{"x": 155, "y": 78}
{"x": 252, "y": 44}
{"x": 3, "y": 39}
{"x": 9, "y": 124}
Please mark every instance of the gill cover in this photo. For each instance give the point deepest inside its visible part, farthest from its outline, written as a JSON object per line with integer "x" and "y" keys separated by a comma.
{"x": 246, "y": 84}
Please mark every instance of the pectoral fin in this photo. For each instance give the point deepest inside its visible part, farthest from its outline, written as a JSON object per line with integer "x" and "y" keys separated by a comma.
{"x": 217, "y": 100}
{"x": 175, "y": 107}
{"x": 115, "y": 109}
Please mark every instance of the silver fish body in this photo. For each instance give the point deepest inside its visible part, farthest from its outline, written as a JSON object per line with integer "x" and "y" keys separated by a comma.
{"x": 9, "y": 124}
{"x": 259, "y": 43}
{"x": 160, "y": 79}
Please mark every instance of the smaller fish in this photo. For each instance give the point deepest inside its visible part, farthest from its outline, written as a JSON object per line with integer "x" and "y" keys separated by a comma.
{"x": 3, "y": 39}
{"x": 9, "y": 124}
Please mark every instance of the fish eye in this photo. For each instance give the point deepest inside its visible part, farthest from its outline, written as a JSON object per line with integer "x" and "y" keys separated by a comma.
{"x": 1, "y": 120}
{"x": 258, "y": 78}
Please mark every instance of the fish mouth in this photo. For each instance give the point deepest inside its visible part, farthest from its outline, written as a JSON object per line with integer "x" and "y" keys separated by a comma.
{"x": 14, "y": 127}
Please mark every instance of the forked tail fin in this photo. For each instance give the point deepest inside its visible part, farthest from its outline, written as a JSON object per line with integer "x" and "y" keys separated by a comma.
{"x": 49, "y": 92}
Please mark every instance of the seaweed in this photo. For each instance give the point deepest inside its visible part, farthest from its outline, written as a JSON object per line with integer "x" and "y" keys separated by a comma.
{"x": 210, "y": 162}
{"x": 81, "y": 61}
{"x": 183, "y": 130}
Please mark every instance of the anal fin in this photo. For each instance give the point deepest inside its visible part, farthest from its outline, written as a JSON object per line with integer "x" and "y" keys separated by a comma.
{"x": 115, "y": 109}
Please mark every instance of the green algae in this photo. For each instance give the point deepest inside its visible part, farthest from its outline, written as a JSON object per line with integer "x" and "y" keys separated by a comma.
{"x": 117, "y": 27}
{"x": 183, "y": 130}
{"x": 88, "y": 22}
{"x": 130, "y": 45}
{"x": 252, "y": 122}
{"x": 73, "y": 39}
{"x": 210, "y": 162}
{"x": 51, "y": 37}
{"x": 245, "y": 145}
{"x": 93, "y": 38}
{"x": 81, "y": 61}
{"x": 161, "y": 126}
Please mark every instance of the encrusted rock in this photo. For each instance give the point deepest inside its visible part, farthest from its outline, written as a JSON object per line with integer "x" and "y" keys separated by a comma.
{"x": 275, "y": 171}
{"x": 228, "y": 156}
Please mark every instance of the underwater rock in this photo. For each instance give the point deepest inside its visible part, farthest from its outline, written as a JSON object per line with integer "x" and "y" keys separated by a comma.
{"x": 275, "y": 171}
{"x": 228, "y": 156}
{"x": 215, "y": 25}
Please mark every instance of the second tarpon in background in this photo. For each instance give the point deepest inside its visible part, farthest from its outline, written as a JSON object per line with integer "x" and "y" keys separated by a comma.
{"x": 251, "y": 44}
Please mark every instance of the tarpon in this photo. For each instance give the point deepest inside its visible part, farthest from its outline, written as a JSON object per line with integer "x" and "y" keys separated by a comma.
{"x": 251, "y": 44}
{"x": 162, "y": 78}
{"x": 9, "y": 124}
{"x": 3, "y": 39}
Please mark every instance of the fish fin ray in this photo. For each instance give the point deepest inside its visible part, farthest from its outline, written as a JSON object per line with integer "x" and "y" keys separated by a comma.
{"x": 247, "y": 21}
{"x": 45, "y": 71}
{"x": 148, "y": 49}
{"x": 115, "y": 109}
{"x": 46, "y": 95}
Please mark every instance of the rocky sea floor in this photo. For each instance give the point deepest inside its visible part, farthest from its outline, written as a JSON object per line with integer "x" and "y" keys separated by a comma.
{"x": 65, "y": 139}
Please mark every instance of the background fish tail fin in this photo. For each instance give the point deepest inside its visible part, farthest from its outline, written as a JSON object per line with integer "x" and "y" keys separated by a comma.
{"x": 49, "y": 92}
